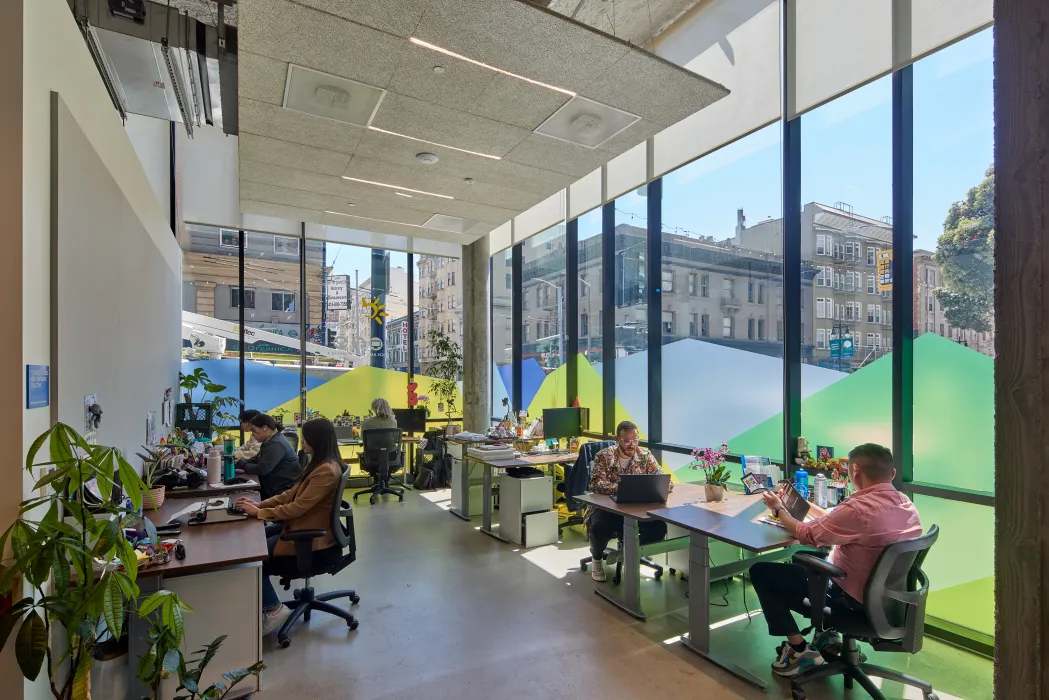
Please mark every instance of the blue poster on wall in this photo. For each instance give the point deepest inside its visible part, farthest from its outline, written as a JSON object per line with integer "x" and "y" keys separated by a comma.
{"x": 37, "y": 386}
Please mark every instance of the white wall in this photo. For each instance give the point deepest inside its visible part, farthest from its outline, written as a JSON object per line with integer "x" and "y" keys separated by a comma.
{"x": 56, "y": 58}
{"x": 152, "y": 141}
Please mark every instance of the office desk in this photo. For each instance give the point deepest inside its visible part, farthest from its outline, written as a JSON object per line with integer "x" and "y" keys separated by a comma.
{"x": 734, "y": 526}
{"x": 548, "y": 460}
{"x": 221, "y": 579}
{"x": 405, "y": 439}
{"x": 633, "y": 514}
{"x": 210, "y": 490}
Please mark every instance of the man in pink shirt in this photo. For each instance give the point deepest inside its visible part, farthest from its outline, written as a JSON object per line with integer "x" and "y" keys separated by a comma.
{"x": 875, "y": 516}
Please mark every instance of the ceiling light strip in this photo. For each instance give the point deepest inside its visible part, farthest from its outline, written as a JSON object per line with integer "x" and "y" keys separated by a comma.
{"x": 446, "y": 52}
{"x": 396, "y": 187}
{"x": 434, "y": 143}
{"x": 396, "y": 223}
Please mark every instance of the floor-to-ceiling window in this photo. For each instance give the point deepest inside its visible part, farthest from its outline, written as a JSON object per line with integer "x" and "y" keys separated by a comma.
{"x": 722, "y": 301}
{"x": 630, "y": 309}
{"x": 502, "y": 331}
{"x": 953, "y": 349}
{"x": 846, "y": 311}
{"x": 589, "y": 389}
{"x": 543, "y": 373}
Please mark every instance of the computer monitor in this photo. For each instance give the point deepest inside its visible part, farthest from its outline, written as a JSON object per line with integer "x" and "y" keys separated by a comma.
{"x": 562, "y": 423}
{"x": 411, "y": 420}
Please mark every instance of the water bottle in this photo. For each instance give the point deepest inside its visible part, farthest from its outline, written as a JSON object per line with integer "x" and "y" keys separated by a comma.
{"x": 801, "y": 483}
{"x": 820, "y": 486}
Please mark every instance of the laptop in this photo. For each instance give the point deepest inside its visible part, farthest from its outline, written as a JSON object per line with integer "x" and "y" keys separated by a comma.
{"x": 794, "y": 503}
{"x": 642, "y": 488}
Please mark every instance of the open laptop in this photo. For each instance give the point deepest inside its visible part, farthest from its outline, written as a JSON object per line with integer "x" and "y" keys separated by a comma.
{"x": 794, "y": 503}
{"x": 642, "y": 488}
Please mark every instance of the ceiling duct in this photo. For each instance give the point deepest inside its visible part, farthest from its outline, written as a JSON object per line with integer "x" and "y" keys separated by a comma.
{"x": 159, "y": 62}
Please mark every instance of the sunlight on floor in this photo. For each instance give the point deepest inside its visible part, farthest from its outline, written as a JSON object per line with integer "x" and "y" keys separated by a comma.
{"x": 442, "y": 499}
{"x": 554, "y": 561}
{"x": 721, "y": 623}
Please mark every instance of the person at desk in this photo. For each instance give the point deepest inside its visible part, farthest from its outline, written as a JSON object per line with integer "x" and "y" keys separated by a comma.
{"x": 251, "y": 447}
{"x": 305, "y": 506}
{"x": 383, "y": 417}
{"x": 276, "y": 464}
{"x": 875, "y": 516}
{"x": 625, "y": 457}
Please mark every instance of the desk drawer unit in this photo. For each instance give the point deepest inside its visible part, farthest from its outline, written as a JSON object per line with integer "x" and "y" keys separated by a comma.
{"x": 518, "y": 500}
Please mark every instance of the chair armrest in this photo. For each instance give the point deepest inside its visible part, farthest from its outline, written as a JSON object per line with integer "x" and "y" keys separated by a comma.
{"x": 303, "y": 540}
{"x": 911, "y": 597}
{"x": 816, "y": 564}
{"x": 820, "y": 572}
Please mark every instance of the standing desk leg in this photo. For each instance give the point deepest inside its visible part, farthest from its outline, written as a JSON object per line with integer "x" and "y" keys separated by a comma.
{"x": 411, "y": 465}
{"x": 486, "y": 507}
{"x": 464, "y": 492}
{"x": 698, "y": 639}
{"x": 631, "y": 566}
{"x": 138, "y": 639}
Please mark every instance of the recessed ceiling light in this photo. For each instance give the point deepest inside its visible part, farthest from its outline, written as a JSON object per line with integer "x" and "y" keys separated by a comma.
{"x": 426, "y": 158}
{"x": 434, "y": 143}
{"x": 402, "y": 194}
{"x": 396, "y": 187}
{"x": 446, "y": 52}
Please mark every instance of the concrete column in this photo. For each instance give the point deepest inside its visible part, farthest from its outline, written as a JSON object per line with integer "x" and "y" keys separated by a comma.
{"x": 477, "y": 361}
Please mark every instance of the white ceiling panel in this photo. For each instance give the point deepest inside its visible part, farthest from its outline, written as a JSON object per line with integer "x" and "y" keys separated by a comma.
{"x": 263, "y": 118}
{"x": 292, "y": 155}
{"x": 261, "y": 78}
{"x": 293, "y": 163}
{"x": 287, "y": 31}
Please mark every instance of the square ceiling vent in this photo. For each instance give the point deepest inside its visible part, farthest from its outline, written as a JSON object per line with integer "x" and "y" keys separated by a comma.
{"x": 453, "y": 224}
{"x": 586, "y": 122}
{"x": 331, "y": 97}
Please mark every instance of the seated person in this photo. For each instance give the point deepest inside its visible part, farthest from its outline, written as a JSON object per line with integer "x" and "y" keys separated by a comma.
{"x": 382, "y": 418}
{"x": 875, "y": 516}
{"x": 251, "y": 446}
{"x": 276, "y": 464}
{"x": 625, "y": 457}
{"x": 305, "y": 506}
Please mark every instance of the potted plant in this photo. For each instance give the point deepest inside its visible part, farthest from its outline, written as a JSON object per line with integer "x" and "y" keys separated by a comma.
{"x": 152, "y": 469}
{"x": 45, "y": 547}
{"x": 446, "y": 371}
{"x": 715, "y": 472}
{"x": 204, "y": 417}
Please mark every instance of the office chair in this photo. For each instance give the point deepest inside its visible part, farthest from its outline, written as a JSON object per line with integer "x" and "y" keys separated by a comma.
{"x": 307, "y": 563}
{"x": 381, "y": 455}
{"x": 293, "y": 437}
{"x": 304, "y": 460}
{"x": 576, "y": 484}
{"x": 893, "y": 619}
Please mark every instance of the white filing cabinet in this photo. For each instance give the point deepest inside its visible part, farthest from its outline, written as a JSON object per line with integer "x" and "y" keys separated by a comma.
{"x": 525, "y": 506}
{"x": 476, "y": 488}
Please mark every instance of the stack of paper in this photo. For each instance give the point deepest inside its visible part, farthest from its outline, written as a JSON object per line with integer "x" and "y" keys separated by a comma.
{"x": 491, "y": 453}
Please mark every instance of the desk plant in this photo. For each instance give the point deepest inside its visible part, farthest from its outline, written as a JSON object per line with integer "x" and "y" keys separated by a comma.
{"x": 715, "y": 472}
{"x": 221, "y": 419}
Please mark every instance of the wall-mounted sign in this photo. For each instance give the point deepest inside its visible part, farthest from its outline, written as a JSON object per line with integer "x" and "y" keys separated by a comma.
{"x": 337, "y": 293}
{"x": 37, "y": 386}
{"x": 884, "y": 270}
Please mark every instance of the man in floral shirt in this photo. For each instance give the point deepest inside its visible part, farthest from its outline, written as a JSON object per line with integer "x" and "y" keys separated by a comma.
{"x": 625, "y": 457}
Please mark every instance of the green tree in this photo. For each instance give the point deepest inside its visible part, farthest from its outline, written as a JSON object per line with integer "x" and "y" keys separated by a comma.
{"x": 965, "y": 254}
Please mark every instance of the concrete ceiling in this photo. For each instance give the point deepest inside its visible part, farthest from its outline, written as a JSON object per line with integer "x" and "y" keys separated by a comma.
{"x": 636, "y": 21}
{"x": 293, "y": 164}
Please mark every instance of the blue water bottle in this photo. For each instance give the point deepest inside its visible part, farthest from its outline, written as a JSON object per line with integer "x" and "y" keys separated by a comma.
{"x": 801, "y": 483}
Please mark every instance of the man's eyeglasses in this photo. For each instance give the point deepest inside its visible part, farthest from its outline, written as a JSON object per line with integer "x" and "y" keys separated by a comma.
{"x": 629, "y": 442}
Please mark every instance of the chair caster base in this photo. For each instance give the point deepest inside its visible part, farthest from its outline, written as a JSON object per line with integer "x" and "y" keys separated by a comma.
{"x": 797, "y": 695}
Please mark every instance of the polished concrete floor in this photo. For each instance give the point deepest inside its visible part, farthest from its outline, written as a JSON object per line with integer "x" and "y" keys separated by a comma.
{"x": 447, "y": 612}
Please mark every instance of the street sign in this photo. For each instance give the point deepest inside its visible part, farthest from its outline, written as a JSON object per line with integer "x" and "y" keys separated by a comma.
{"x": 835, "y": 347}
{"x": 884, "y": 270}
{"x": 846, "y": 348}
{"x": 337, "y": 291}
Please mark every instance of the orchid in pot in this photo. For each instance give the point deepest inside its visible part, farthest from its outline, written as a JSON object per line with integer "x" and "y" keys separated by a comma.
{"x": 715, "y": 472}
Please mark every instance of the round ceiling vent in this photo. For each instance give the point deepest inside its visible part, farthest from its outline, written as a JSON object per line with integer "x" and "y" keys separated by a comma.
{"x": 426, "y": 158}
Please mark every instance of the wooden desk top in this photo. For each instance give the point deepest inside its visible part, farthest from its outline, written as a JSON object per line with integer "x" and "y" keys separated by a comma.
{"x": 210, "y": 546}
{"x": 209, "y": 490}
{"x": 681, "y": 495}
{"x": 738, "y": 530}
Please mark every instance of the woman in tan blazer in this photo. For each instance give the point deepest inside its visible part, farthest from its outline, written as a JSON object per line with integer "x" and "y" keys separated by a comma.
{"x": 304, "y": 506}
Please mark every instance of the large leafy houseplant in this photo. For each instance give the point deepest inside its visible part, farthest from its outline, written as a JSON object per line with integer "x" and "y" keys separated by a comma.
{"x": 221, "y": 419}
{"x": 55, "y": 556}
{"x": 446, "y": 370}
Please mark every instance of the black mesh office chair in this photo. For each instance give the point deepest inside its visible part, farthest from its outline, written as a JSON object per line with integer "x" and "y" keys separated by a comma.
{"x": 307, "y": 563}
{"x": 293, "y": 437}
{"x": 894, "y": 619}
{"x": 381, "y": 457}
{"x": 577, "y": 484}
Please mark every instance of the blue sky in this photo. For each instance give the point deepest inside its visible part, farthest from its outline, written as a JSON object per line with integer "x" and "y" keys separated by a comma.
{"x": 846, "y": 157}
